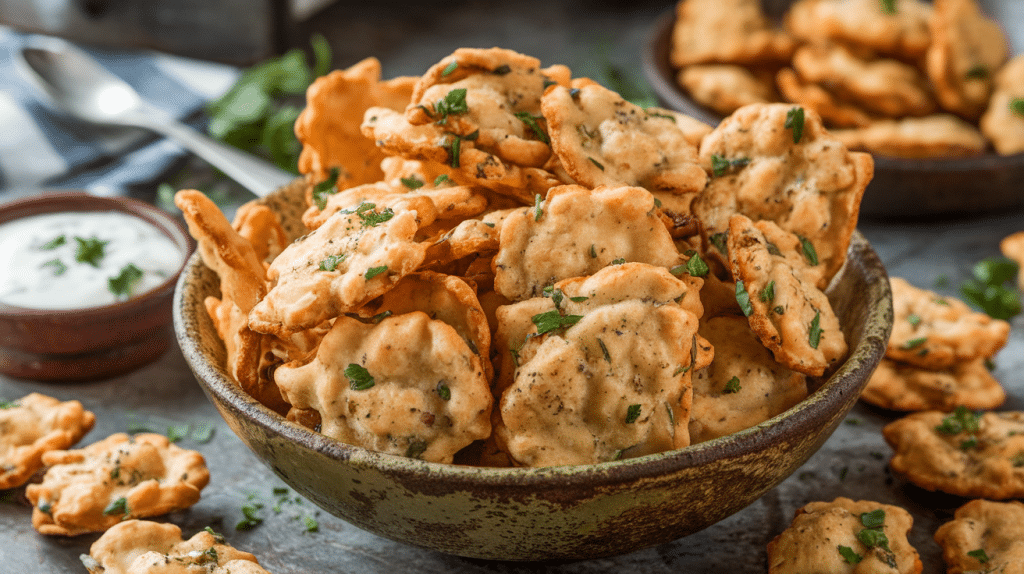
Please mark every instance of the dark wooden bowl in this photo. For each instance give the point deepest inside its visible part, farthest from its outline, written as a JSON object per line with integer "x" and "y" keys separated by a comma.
{"x": 901, "y": 188}
{"x": 93, "y": 342}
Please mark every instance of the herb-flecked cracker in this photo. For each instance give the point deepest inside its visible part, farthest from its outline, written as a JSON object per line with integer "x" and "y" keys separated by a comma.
{"x": 901, "y": 31}
{"x": 833, "y": 110}
{"x": 984, "y": 536}
{"x": 107, "y": 482}
{"x": 935, "y": 332}
{"x": 931, "y": 136}
{"x": 961, "y": 453}
{"x": 777, "y": 162}
{"x": 1003, "y": 121}
{"x": 600, "y": 370}
{"x": 743, "y": 34}
{"x": 32, "y": 426}
{"x": 844, "y": 535}
{"x": 901, "y": 387}
{"x": 145, "y": 547}
{"x": 726, "y": 87}
{"x": 777, "y": 292}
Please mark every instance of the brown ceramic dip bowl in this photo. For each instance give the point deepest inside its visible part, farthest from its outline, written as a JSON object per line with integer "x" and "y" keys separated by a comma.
{"x": 89, "y": 342}
{"x": 568, "y": 512}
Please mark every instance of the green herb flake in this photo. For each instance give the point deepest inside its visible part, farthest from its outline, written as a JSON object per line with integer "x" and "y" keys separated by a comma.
{"x": 416, "y": 448}
{"x": 913, "y": 343}
{"x": 914, "y": 319}
{"x": 311, "y": 524}
{"x": 1017, "y": 106}
{"x": 538, "y": 209}
{"x": 872, "y": 537}
{"x": 795, "y": 122}
{"x": 980, "y": 555}
{"x": 632, "y": 413}
{"x": 992, "y": 288}
{"x": 962, "y": 420}
{"x": 604, "y": 351}
{"x": 119, "y": 506}
{"x": 202, "y": 432}
{"x": 412, "y": 182}
{"x": 375, "y": 218}
{"x": 849, "y": 555}
{"x": 968, "y": 444}
{"x": 54, "y": 243}
{"x": 531, "y": 122}
{"x": 250, "y": 519}
{"x": 618, "y": 261}
{"x": 1017, "y": 460}
{"x": 977, "y": 72}
{"x": 814, "y": 333}
{"x": 452, "y": 104}
{"x": 4, "y": 404}
{"x": 331, "y": 262}
{"x": 553, "y": 321}
{"x": 57, "y": 266}
{"x": 721, "y": 165}
{"x": 326, "y": 188}
{"x": 733, "y": 386}
{"x": 359, "y": 379}
{"x": 441, "y": 180}
{"x": 451, "y": 67}
{"x": 696, "y": 266}
{"x": 46, "y": 507}
{"x": 888, "y": 6}
{"x": 767, "y": 294}
{"x": 380, "y": 316}
{"x": 217, "y": 537}
{"x": 443, "y": 391}
{"x": 177, "y": 432}
{"x": 873, "y": 519}
{"x": 810, "y": 254}
{"x": 593, "y": 251}
{"x": 90, "y": 250}
{"x": 743, "y": 298}
{"x": 718, "y": 240}
{"x": 121, "y": 285}
{"x": 375, "y": 271}
{"x": 597, "y": 163}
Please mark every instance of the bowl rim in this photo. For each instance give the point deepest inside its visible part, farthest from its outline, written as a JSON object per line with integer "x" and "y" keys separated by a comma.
{"x": 660, "y": 74}
{"x": 850, "y": 377}
{"x": 54, "y": 202}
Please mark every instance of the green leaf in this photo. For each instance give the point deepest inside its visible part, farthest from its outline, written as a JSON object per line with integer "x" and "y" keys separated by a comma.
{"x": 814, "y": 333}
{"x": 733, "y": 386}
{"x": 121, "y": 285}
{"x": 375, "y": 218}
{"x": 913, "y": 343}
{"x": 767, "y": 295}
{"x": 980, "y": 555}
{"x": 872, "y": 537}
{"x": 795, "y": 122}
{"x": 359, "y": 379}
{"x": 58, "y": 267}
{"x": 54, "y": 243}
{"x": 538, "y": 210}
{"x": 849, "y": 555}
{"x": 374, "y": 271}
{"x": 873, "y": 519}
{"x": 90, "y": 250}
{"x": 553, "y": 321}
{"x": 1017, "y": 106}
{"x": 119, "y": 506}
{"x": 412, "y": 182}
{"x": 454, "y": 103}
{"x": 743, "y": 298}
{"x": 330, "y": 263}
{"x": 451, "y": 67}
{"x": 443, "y": 391}
{"x": 810, "y": 254}
{"x": 720, "y": 165}
{"x": 995, "y": 270}
{"x": 322, "y": 55}
{"x": 531, "y": 122}
{"x": 604, "y": 351}
{"x": 250, "y": 519}
{"x": 718, "y": 240}
{"x": 441, "y": 179}
{"x": 326, "y": 188}
{"x": 597, "y": 163}
{"x": 961, "y": 420}
{"x": 311, "y": 524}
{"x": 278, "y": 138}
{"x": 888, "y": 6}
{"x": 696, "y": 266}
{"x": 632, "y": 413}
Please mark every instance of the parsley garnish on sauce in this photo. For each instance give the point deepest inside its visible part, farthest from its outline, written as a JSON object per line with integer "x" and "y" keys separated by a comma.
{"x": 54, "y": 243}
{"x": 90, "y": 250}
{"x": 632, "y": 413}
{"x": 743, "y": 298}
{"x": 359, "y": 379}
{"x": 795, "y": 122}
{"x": 121, "y": 285}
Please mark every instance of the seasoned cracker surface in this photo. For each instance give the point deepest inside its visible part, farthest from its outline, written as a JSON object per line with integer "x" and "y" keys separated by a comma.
{"x": 934, "y": 331}
{"x": 984, "y": 530}
{"x": 936, "y": 135}
{"x": 725, "y": 87}
{"x": 814, "y": 542}
{"x": 903, "y": 387}
{"x": 32, "y": 426}
{"x": 144, "y": 547}
{"x": 742, "y": 34}
{"x": 1002, "y": 123}
{"x": 575, "y": 232}
{"x": 120, "y": 477}
{"x": 612, "y": 382}
{"x": 408, "y": 385}
{"x": 830, "y": 107}
{"x": 743, "y": 386}
{"x": 812, "y": 188}
{"x": 863, "y": 23}
{"x": 960, "y": 453}
{"x": 787, "y": 311}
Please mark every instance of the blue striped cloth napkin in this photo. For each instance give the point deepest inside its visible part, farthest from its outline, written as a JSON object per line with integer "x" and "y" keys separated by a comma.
{"x": 41, "y": 148}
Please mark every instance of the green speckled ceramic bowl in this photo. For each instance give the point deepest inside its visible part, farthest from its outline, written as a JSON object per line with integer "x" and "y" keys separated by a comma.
{"x": 550, "y": 513}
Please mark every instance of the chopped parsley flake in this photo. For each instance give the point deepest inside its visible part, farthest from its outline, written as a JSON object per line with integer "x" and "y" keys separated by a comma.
{"x": 977, "y": 72}
{"x": 380, "y": 316}
{"x": 121, "y": 285}
{"x": 743, "y": 298}
{"x": 442, "y": 179}
{"x": 250, "y": 519}
{"x": 962, "y": 420}
{"x": 553, "y": 321}
{"x": 311, "y": 524}
{"x": 597, "y": 163}
{"x": 980, "y": 555}
{"x": 873, "y": 519}
{"x": 412, "y": 182}
{"x": 593, "y": 251}
{"x": 718, "y": 240}
{"x": 54, "y": 243}
{"x": 359, "y": 379}
{"x": 795, "y": 122}
{"x": 914, "y": 343}
{"x": 810, "y": 254}
{"x": 451, "y": 67}
{"x": 443, "y": 391}
{"x": 375, "y": 218}
{"x": 330, "y": 263}
{"x": 416, "y": 448}
{"x": 733, "y": 386}
{"x": 618, "y": 261}
{"x": 90, "y": 250}
{"x": 721, "y": 165}
{"x": 632, "y": 413}
{"x": 888, "y": 6}
{"x": 452, "y": 104}
{"x": 968, "y": 444}
{"x": 696, "y": 266}
{"x": 177, "y": 432}
{"x": 374, "y": 271}
{"x": 8, "y": 404}
{"x": 119, "y": 506}
{"x": 987, "y": 289}
{"x": 538, "y": 210}
{"x": 767, "y": 295}
{"x": 849, "y": 555}
{"x": 914, "y": 319}
{"x": 604, "y": 350}
{"x": 326, "y": 188}
{"x": 1017, "y": 106}
{"x": 217, "y": 537}
{"x": 531, "y": 122}
{"x": 814, "y": 334}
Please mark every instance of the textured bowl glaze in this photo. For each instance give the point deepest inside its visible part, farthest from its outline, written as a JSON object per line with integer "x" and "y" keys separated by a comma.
{"x": 94, "y": 342}
{"x": 549, "y": 513}
{"x": 900, "y": 188}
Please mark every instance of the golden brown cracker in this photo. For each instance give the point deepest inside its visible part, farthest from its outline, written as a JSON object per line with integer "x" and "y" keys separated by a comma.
{"x": 846, "y": 536}
{"x": 725, "y": 88}
{"x": 902, "y": 387}
{"x": 833, "y": 111}
{"x": 1003, "y": 121}
{"x": 933, "y": 136}
{"x": 902, "y": 32}
{"x": 107, "y": 482}
{"x": 984, "y": 536}
{"x": 1012, "y": 246}
{"x": 961, "y": 453}
{"x": 32, "y": 426}
{"x": 743, "y": 34}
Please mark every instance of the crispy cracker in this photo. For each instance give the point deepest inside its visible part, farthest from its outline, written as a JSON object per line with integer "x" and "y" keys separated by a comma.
{"x": 742, "y": 34}
{"x": 1003, "y": 123}
{"x": 833, "y": 111}
{"x": 984, "y": 536}
{"x": 32, "y": 426}
{"x": 902, "y": 387}
{"x": 864, "y": 23}
{"x": 726, "y": 87}
{"x": 934, "y": 136}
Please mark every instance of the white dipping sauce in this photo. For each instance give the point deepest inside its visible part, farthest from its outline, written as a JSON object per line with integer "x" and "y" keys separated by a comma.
{"x": 38, "y": 275}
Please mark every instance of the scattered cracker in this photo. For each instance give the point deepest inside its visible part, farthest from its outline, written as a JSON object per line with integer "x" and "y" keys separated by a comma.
{"x": 831, "y": 537}
{"x": 934, "y": 136}
{"x": 32, "y": 426}
{"x": 1003, "y": 121}
{"x": 984, "y": 536}
{"x": 901, "y": 387}
{"x": 107, "y": 482}
{"x": 935, "y": 332}
{"x": 726, "y": 87}
{"x": 864, "y": 23}
{"x": 960, "y": 453}
{"x": 144, "y": 547}
{"x": 742, "y": 34}
{"x": 832, "y": 110}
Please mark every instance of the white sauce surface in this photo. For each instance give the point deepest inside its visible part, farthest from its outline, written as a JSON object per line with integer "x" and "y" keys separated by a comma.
{"x": 28, "y": 278}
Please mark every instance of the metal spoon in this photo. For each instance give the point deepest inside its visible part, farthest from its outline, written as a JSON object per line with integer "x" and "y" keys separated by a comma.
{"x": 76, "y": 84}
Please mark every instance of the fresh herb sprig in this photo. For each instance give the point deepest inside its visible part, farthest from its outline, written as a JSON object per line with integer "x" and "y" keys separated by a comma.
{"x": 991, "y": 287}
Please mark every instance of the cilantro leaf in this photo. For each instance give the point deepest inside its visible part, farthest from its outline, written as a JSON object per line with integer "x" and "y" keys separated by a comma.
{"x": 810, "y": 254}
{"x": 795, "y": 122}
{"x": 721, "y": 165}
{"x": 814, "y": 333}
{"x": 119, "y": 506}
{"x": 743, "y": 298}
{"x": 374, "y": 271}
{"x": 330, "y": 263}
{"x": 849, "y": 555}
{"x": 987, "y": 289}
{"x": 632, "y": 413}
{"x": 412, "y": 182}
{"x": 553, "y": 321}
{"x": 326, "y": 188}
{"x": 873, "y": 519}
{"x": 767, "y": 295}
{"x": 359, "y": 379}
{"x": 122, "y": 284}
{"x": 90, "y": 250}
{"x": 696, "y": 266}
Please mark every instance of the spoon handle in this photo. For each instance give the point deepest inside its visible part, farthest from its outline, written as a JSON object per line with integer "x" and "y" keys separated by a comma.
{"x": 252, "y": 173}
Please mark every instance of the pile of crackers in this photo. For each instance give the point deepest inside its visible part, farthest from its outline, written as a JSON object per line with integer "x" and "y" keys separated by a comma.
{"x": 898, "y": 78}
